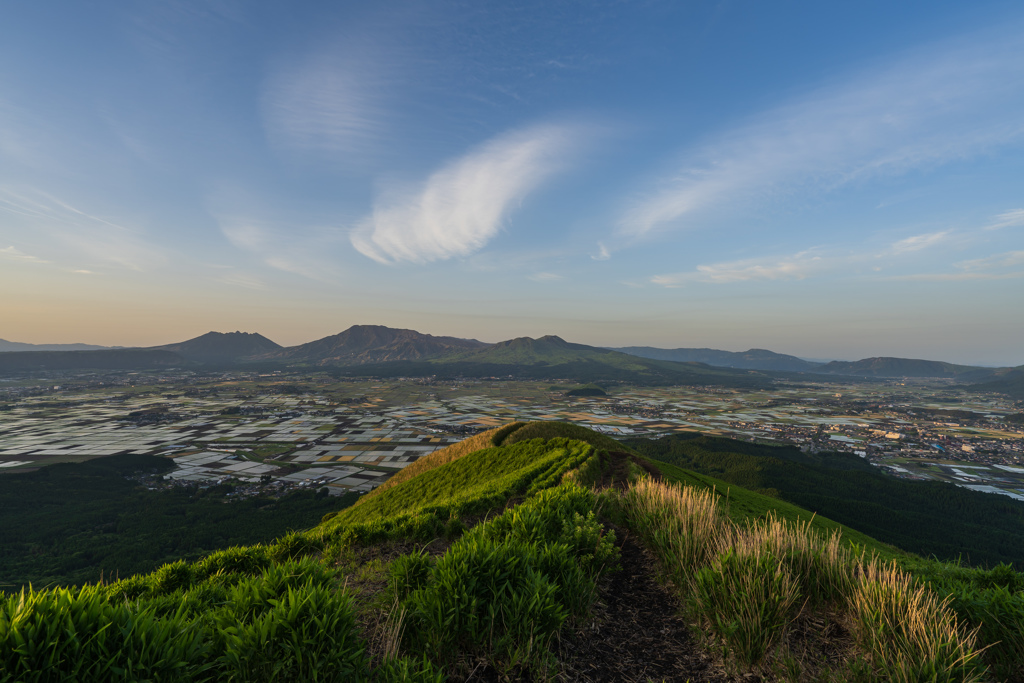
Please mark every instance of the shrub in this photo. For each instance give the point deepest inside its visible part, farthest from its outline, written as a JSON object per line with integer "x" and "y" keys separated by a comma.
{"x": 78, "y": 635}
{"x": 409, "y": 670}
{"x": 409, "y": 573}
{"x": 485, "y": 599}
{"x": 296, "y": 544}
{"x": 308, "y": 634}
{"x": 249, "y": 560}
{"x": 172, "y": 577}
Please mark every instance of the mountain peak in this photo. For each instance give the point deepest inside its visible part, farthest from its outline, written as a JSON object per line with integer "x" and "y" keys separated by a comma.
{"x": 221, "y": 347}
{"x": 361, "y": 344}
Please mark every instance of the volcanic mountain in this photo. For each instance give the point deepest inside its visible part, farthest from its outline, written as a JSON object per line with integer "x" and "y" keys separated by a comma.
{"x": 552, "y": 357}
{"x": 222, "y": 347}
{"x": 361, "y": 344}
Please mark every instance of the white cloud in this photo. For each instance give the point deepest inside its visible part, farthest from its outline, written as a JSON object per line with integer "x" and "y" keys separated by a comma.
{"x": 15, "y": 254}
{"x": 958, "y": 277}
{"x": 546, "y": 277}
{"x": 462, "y": 206}
{"x": 304, "y": 251}
{"x": 943, "y": 104}
{"x": 330, "y": 102}
{"x": 88, "y": 235}
{"x": 919, "y": 242}
{"x": 1010, "y": 219}
{"x": 603, "y": 253}
{"x": 1007, "y": 260}
{"x": 795, "y": 267}
{"x": 242, "y": 280}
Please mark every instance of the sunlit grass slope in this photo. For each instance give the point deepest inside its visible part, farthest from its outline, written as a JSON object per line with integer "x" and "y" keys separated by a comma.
{"x": 443, "y": 456}
{"x": 473, "y": 483}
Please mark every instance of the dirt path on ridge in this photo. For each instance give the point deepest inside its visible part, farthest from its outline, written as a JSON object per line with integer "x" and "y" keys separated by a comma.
{"x": 634, "y": 633}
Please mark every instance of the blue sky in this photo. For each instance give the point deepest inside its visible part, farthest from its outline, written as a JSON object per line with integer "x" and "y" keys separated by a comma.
{"x": 835, "y": 180}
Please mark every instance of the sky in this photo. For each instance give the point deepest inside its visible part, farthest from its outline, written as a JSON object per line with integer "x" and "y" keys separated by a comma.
{"x": 831, "y": 180}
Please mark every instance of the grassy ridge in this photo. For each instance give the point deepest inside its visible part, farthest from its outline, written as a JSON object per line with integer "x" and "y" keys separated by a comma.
{"x": 443, "y": 456}
{"x": 471, "y": 483}
{"x": 503, "y": 589}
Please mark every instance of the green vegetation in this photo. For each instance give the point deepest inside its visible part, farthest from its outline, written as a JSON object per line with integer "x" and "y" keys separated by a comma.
{"x": 72, "y": 523}
{"x": 472, "y": 485}
{"x": 928, "y": 518}
{"x": 493, "y": 552}
{"x": 563, "y": 430}
{"x": 745, "y": 583}
{"x": 587, "y": 390}
{"x": 741, "y": 504}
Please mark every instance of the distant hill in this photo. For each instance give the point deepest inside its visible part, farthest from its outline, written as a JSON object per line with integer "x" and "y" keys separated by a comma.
{"x": 107, "y": 359}
{"x": 905, "y": 367}
{"x": 362, "y": 344}
{"x": 222, "y": 347}
{"x": 754, "y": 359}
{"x": 1004, "y": 380}
{"x": 552, "y": 357}
{"x": 9, "y": 346}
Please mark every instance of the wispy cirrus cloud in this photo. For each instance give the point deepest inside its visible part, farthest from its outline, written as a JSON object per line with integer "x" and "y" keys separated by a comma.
{"x": 1006, "y": 260}
{"x": 919, "y": 242}
{"x": 86, "y": 235}
{"x": 15, "y": 254}
{"x": 946, "y": 103}
{"x": 1009, "y": 219}
{"x": 302, "y": 251}
{"x": 807, "y": 263}
{"x": 332, "y": 101}
{"x": 547, "y": 277}
{"x": 463, "y": 205}
{"x": 794, "y": 267}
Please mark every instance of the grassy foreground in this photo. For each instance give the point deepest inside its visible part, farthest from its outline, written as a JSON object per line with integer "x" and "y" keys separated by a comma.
{"x": 481, "y": 556}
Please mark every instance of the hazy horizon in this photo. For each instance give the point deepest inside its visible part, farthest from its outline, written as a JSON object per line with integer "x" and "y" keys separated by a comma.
{"x": 817, "y": 180}
{"x": 815, "y": 359}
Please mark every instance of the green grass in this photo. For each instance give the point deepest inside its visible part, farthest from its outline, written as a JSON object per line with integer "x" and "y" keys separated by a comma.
{"x": 564, "y": 430}
{"x": 524, "y": 554}
{"x": 472, "y": 484}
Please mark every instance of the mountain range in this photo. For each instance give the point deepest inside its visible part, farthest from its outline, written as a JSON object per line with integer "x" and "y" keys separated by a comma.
{"x": 754, "y": 359}
{"x": 22, "y": 346}
{"x": 222, "y": 347}
{"x": 384, "y": 351}
{"x": 362, "y": 344}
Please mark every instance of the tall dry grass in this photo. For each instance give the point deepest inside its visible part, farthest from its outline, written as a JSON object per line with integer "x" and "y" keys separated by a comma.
{"x": 910, "y": 633}
{"x": 686, "y": 526}
{"x": 744, "y": 582}
{"x": 440, "y": 457}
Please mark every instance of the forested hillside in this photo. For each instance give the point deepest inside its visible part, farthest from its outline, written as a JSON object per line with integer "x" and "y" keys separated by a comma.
{"x": 928, "y": 518}
{"x": 69, "y": 524}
